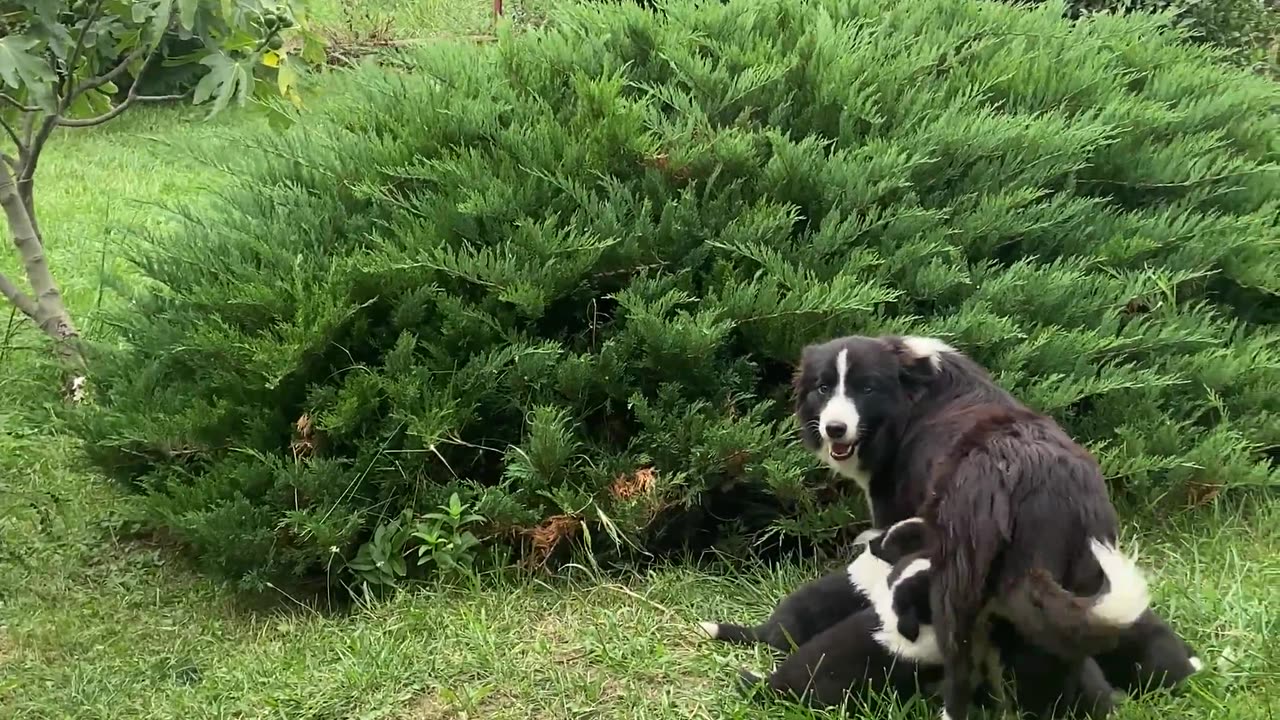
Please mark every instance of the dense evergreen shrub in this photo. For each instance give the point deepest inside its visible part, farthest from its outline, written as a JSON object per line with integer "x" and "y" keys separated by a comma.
{"x": 568, "y": 280}
{"x": 1248, "y": 28}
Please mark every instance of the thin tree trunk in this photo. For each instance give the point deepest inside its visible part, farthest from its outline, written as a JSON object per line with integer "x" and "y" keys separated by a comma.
{"x": 50, "y": 313}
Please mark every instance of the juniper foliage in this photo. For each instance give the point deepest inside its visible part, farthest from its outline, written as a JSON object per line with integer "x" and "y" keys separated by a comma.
{"x": 569, "y": 279}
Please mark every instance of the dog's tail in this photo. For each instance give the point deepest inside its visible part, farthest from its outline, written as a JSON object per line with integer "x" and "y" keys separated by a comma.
{"x": 730, "y": 633}
{"x": 1072, "y": 626}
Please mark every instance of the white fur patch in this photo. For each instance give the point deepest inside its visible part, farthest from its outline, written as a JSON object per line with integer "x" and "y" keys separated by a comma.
{"x": 1127, "y": 595}
{"x": 924, "y": 649}
{"x": 841, "y": 408}
{"x": 901, "y": 524}
{"x": 711, "y": 629}
{"x": 866, "y": 536}
{"x": 1196, "y": 664}
{"x": 868, "y": 573}
{"x": 946, "y": 715}
{"x": 927, "y": 347}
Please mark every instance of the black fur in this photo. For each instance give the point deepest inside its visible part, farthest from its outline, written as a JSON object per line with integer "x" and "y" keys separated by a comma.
{"x": 843, "y": 662}
{"x": 1150, "y": 656}
{"x": 1040, "y": 690}
{"x": 1005, "y": 489}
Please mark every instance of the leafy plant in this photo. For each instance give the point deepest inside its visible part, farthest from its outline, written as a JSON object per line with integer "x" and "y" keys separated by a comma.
{"x": 568, "y": 280}
{"x": 59, "y": 67}
{"x": 447, "y": 544}
{"x": 381, "y": 560}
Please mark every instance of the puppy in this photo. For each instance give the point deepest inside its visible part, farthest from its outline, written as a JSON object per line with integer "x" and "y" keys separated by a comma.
{"x": 926, "y": 432}
{"x": 1039, "y": 690}
{"x": 889, "y": 645}
{"x": 822, "y": 603}
{"x": 1150, "y": 656}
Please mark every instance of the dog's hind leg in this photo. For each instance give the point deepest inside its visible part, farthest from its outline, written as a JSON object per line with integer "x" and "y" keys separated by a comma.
{"x": 972, "y": 521}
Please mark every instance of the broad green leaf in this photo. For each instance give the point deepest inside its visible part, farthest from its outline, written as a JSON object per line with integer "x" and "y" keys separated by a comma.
{"x": 220, "y": 71}
{"x": 20, "y": 68}
{"x": 13, "y": 52}
{"x": 164, "y": 10}
{"x": 244, "y": 82}
{"x": 313, "y": 49}
{"x": 187, "y": 13}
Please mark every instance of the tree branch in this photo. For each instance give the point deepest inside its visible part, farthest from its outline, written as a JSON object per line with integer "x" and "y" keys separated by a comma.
{"x": 113, "y": 112}
{"x": 13, "y": 135}
{"x": 118, "y": 70}
{"x": 20, "y": 300}
{"x": 74, "y": 58}
{"x": 110, "y": 75}
{"x": 49, "y": 311}
{"x": 14, "y": 102}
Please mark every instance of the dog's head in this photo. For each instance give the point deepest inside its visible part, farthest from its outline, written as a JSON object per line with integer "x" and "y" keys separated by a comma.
{"x": 908, "y": 537}
{"x": 846, "y": 389}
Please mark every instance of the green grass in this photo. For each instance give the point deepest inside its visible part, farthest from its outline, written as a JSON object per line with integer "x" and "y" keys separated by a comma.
{"x": 95, "y": 625}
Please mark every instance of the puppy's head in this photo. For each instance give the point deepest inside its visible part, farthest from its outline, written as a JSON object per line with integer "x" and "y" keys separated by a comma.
{"x": 909, "y": 537}
{"x": 886, "y": 552}
{"x": 1166, "y": 659}
{"x": 846, "y": 389}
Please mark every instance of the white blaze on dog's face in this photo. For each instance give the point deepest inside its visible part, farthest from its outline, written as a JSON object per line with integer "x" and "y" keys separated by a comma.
{"x": 847, "y": 388}
{"x": 838, "y": 420}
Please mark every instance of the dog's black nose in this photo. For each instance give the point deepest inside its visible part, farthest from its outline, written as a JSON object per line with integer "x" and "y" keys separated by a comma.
{"x": 836, "y": 430}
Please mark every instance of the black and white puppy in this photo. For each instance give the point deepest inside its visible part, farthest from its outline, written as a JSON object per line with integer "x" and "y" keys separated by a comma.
{"x": 887, "y": 646}
{"x": 821, "y": 603}
{"x": 927, "y": 432}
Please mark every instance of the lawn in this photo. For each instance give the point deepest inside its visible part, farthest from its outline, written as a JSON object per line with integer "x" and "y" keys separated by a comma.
{"x": 94, "y": 624}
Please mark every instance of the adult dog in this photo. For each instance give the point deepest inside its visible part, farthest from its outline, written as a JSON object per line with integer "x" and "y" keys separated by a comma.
{"x": 924, "y": 430}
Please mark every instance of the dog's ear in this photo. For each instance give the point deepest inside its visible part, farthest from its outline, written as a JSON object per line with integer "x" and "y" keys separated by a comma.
{"x": 908, "y": 621}
{"x": 798, "y": 376}
{"x": 919, "y": 358}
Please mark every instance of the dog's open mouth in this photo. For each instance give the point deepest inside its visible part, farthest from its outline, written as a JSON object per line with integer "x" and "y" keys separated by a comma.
{"x": 842, "y": 451}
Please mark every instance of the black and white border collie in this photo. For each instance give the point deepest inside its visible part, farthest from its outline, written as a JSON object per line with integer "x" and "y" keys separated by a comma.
{"x": 822, "y": 603}
{"x": 925, "y": 431}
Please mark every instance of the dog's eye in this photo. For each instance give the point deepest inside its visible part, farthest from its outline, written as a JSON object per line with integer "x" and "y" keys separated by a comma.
{"x": 824, "y": 389}
{"x": 866, "y": 389}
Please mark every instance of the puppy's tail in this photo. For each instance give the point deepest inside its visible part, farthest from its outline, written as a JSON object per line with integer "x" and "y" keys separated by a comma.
{"x": 730, "y": 633}
{"x": 1072, "y": 626}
